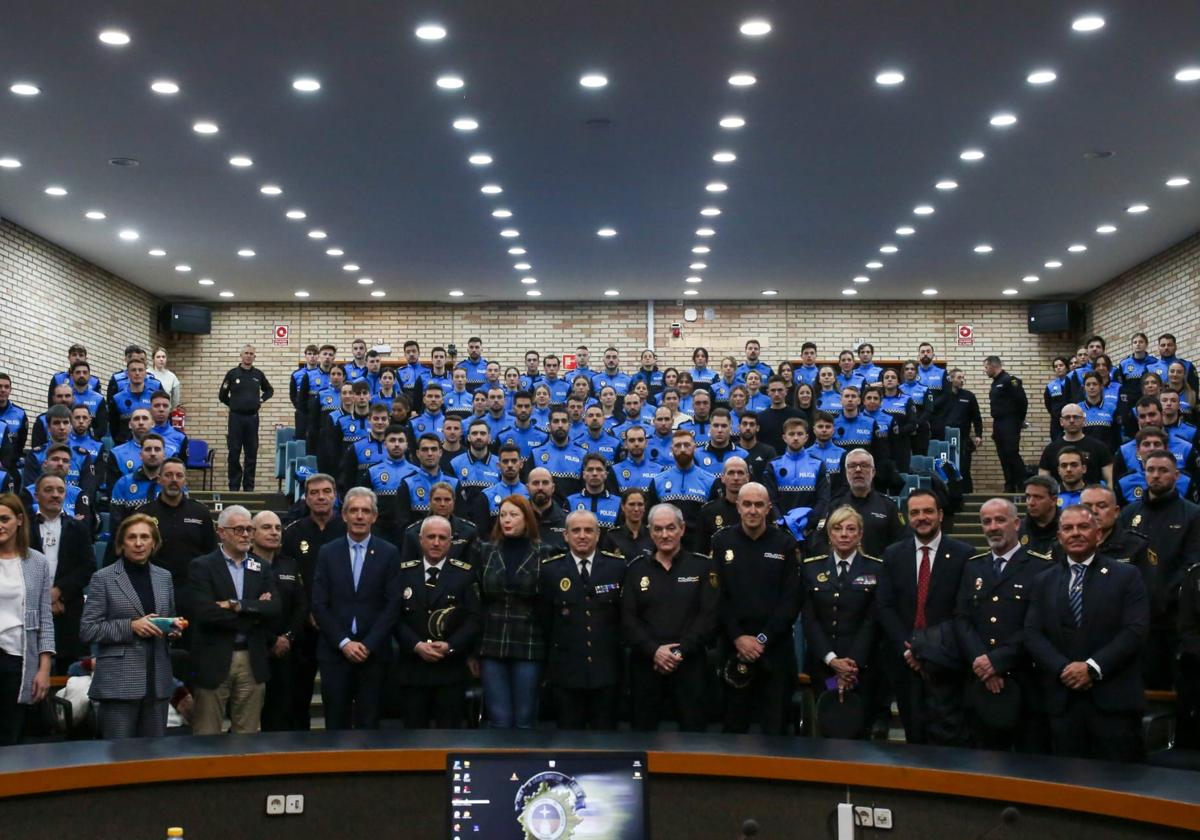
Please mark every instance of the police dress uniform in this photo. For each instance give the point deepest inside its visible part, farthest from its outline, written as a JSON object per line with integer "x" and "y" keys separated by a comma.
{"x": 669, "y": 606}
{"x": 623, "y": 544}
{"x": 883, "y": 524}
{"x": 1038, "y": 540}
{"x": 715, "y": 515}
{"x": 278, "y": 705}
{"x": 437, "y": 604}
{"x": 552, "y": 527}
{"x": 760, "y": 597}
{"x": 989, "y": 619}
{"x": 583, "y": 625}
{"x": 838, "y": 617}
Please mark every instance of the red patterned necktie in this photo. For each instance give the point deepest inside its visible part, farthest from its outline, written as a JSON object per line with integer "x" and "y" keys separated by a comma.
{"x": 922, "y": 588}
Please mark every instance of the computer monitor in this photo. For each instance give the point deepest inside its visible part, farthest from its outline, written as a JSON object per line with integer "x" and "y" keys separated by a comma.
{"x": 547, "y": 796}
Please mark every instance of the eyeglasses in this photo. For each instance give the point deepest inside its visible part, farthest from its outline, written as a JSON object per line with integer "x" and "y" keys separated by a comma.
{"x": 239, "y": 529}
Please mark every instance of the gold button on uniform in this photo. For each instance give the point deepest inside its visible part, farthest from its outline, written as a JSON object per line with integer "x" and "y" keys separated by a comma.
{"x": 992, "y": 619}
{"x": 995, "y": 597}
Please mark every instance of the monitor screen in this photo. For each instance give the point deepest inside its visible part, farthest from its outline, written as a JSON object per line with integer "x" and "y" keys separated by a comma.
{"x": 547, "y": 796}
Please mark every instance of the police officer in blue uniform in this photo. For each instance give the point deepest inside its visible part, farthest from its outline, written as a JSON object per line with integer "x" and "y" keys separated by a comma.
{"x": 559, "y": 386}
{"x": 477, "y": 468}
{"x": 685, "y": 486}
{"x": 636, "y": 470}
{"x": 412, "y": 372}
{"x": 854, "y": 430}
{"x": 486, "y": 506}
{"x": 931, "y": 376}
{"x": 753, "y": 349}
{"x": 438, "y": 373}
{"x": 596, "y": 440}
{"x": 595, "y": 497}
{"x": 611, "y": 374}
{"x": 475, "y": 365}
{"x": 296, "y": 390}
{"x": 871, "y": 373}
{"x": 562, "y": 458}
{"x": 140, "y": 486}
{"x": 387, "y": 477}
{"x": 124, "y": 459}
{"x": 120, "y": 379}
{"x": 412, "y": 497}
{"x": 712, "y": 455}
{"x": 360, "y": 455}
{"x": 797, "y": 478}
{"x": 429, "y": 421}
{"x": 135, "y": 394}
{"x": 76, "y": 353}
{"x": 522, "y": 433}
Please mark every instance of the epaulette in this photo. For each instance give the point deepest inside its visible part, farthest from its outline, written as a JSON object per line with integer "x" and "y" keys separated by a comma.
{"x": 554, "y": 557}
{"x": 982, "y": 554}
{"x": 466, "y": 567}
{"x": 1047, "y": 556}
{"x": 816, "y": 558}
{"x": 613, "y": 555}
{"x": 408, "y": 564}
{"x": 869, "y": 557}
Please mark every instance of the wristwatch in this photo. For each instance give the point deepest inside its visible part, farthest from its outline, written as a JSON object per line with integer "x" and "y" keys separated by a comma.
{"x": 761, "y": 638}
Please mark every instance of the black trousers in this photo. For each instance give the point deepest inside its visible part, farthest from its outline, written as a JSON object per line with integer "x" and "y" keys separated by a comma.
{"x": 444, "y": 705}
{"x": 1007, "y": 435}
{"x": 931, "y": 705}
{"x": 304, "y": 678}
{"x": 242, "y": 437}
{"x": 12, "y": 713}
{"x": 352, "y": 693}
{"x": 277, "y": 705}
{"x": 586, "y": 708}
{"x": 1187, "y": 710}
{"x": 767, "y": 698}
{"x": 1084, "y": 731}
{"x": 685, "y": 687}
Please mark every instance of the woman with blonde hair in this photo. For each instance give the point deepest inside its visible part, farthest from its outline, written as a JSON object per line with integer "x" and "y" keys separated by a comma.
{"x": 168, "y": 380}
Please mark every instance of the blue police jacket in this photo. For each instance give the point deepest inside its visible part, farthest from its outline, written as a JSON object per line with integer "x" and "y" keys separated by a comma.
{"x": 63, "y": 377}
{"x": 524, "y": 439}
{"x": 653, "y": 378}
{"x": 70, "y": 501}
{"x": 353, "y": 428}
{"x": 871, "y": 373}
{"x": 721, "y": 389}
{"x": 417, "y": 485}
{"x": 369, "y": 451}
{"x": 1130, "y": 369}
{"x": 476, "y": 371}
{"x": 762, "y": 367}
{"x": 711, "y": 460}
{"x": 699, "y": 429}
{"x": 844, "y": 381}
{"x": 173, "y": 439}
{"x": 932, "y": 377}
{"x": 690, "y": 485}
{"x": 445, "y": 379}
{"x": 758, "y": 402}
{"x": 1132, "y": 486}
{"x": 426, "y": 423}
{"x": 459, "y": 401}
{"x": 410, "y": 376}
{"x": 528, "y": 383}
{"x": 606, "y": 506}
{"x": 1186, "y": 431}
{"x": 658, "y": 448}
{"x": 806, "y": 374}
{"x": 132, "y": 490}
{"x": 704, "y": 375}
{"x": 127, "y": 456}
{"x": 126, "y": 402}
{"x": 631, "y": 473}
{"x": 476, "y": 474}
{"x": 86, "y": 442}
{"x": 500, "y": 491}
{"x": 355, "y": 371}
{"x": 829, "y": 401}
{"x": 559, "y": 389}
{"x": 1068, "y": 497}
{"x": 830, "y": 454}
{"x": 561, "y": 461}
{"x": 619, "y": 381}
{"x": 120, "y": 380}
{"x": 388, "y": 474}
{"x": 89, "y": 398}
{"x": 915, "y": 391}
{"x": 796, "y": 478}
{"x": 851, "y": 433}
{"x": 80, "y": 458}
{"x": 605, "y": 444}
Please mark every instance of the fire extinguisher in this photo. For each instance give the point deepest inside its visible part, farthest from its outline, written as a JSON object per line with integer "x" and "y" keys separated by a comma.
{"x": 179, "y": 418}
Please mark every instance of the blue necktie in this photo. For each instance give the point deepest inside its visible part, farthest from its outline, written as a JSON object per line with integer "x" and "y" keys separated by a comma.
{"x": 357, "y": 564}
{"x": 1075, "y": 593}
{"x": 998, "y": 566}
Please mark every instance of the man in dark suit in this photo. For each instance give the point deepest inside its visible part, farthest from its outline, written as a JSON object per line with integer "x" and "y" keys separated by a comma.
{"x": 990, "y": 622}
{"x": 293, "y": 616}
{"x": 67, "y": 545}
{"x": 437, "y": 629}
{"x": 915, "y": 600}
{"x": 233, "y": 604}
{"x": 355, "y": 602}
{"x": 1086, "y": 627}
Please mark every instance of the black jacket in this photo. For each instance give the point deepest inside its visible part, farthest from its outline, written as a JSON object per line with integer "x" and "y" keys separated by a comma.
{"x": 896, "y": 595}
{"x": 214, "y": 628}
{"x": 583, "y": 623}
{"x": 990, "y": 615}
{"x": 76, "y": 562}
{"x": 456, "y": 593}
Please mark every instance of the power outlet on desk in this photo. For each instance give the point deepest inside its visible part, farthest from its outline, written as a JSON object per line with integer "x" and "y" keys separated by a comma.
{"x": 276, "y": 803}
{"x": 295, "y": 803}
{"x": 864, "y": 817}
{"x": 883, "y": 818}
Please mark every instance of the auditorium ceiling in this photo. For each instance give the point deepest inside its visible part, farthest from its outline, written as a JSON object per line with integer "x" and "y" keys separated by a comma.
{"x": 509, "y": 150}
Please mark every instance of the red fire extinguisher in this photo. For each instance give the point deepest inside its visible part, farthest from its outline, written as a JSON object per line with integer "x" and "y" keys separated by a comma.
{"x": 179, "y": 418}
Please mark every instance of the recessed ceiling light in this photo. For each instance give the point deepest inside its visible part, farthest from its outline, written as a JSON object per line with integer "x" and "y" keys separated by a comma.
{"x": 56, "y": 191}
{"x": 164, "y": 87}
{"x": 529, "y": 281}
{"x": 225, "y": 294}
{"x": 240, "y": 161}
{"x": 366, "y": 281}
{"x": 606, "y": 232}
{"x": 1087, "y": 23}
{"x": 205, "y": 281}
{"x": 770, "y": 292}
{"x": 929, "y": 292}
{"x": 306, "y": 85}
{"x": 450, "y": 82}
{"x": 1053, "y": 264}
{"x": 611, "y": 292}
{"x": 129, "y": 235}
{"x": 183, "y": 268}
{"x": 755, "y": 27}
{"x": 479, "y": 159}
{"x": 25, "y": 89}
{"x": 114, "y": 37}
{"x": 862, "y": 278}
{"x": 1188, "y": 74}
{"x": 350, "y": 267}
{"x": 522, "y": 266}
{"x": 691, "y": 292}
{"x": 710, "y": 211}
{"x": 701, "y": 249}
{"x": 888, "y": 249}
{"x": 1041, "y": 77}
{"x": 849, "y": 292}
{"x": 431, "y": 32}
{"x": 971, "y": 154}
{"x": 296, "y": 215}
{"x": 1106, "y": 229}
{"x": 491, "y": 189}
{"x": 1030, "y": 278}
{"x": 1003, "y": 120}
{"x": 271, "y": 189}
{"x": 501, "y": 213}
{"x": 1009, "y": 292}
{"x": 947, "y": 185}
{"x": 724, "y": 157}
{"x": 205, "y": 128}
{"x": 889, "y": 78}
{"x": 510, "y": 233}
{"x": 157, "y": 252}
{"x": 983, "y": 249}
{"x": 317, "y": 234}
{"x": 1137, "y": 208}
{"x": 717, "y": 187}
{"x": 1077, "y": 248}
{"x": 300, "y": 293}
{"x": 923, "y": 210}
{"x": 516, "y": 252}
{"x": 705, "y": 231}
{"x": 246, "y": 253}
{"x": 693, "y": 280}
{"x": 378, "y": 293}
{"x": 533, "y": 293}
{"x": 593, "y": 80}
{"x": 742, "y": 80}
{"x": 466, "y": 124}
{"x": 732, "y": 122}
{"x": 698, "y": 266}
{"x": 1178, "y": 181}
{"x": 456, "y": 293}
{"x": 874, "y": 265}
{"x": 334, "y": 252}
{"x": 905, "y": 231}
{"x": 9, "y": 163}
{"x": 95, "y": 215}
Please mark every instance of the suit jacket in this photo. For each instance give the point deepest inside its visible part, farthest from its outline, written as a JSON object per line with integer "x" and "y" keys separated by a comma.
{"x": 458, "y": 589}
{"x": 214, "y": 629}
{"x": 583, "y": 623}
{"x": 375, "y": 604}
{"x": 1116, "y": 621}
{"x": 990, "y": 615}
{"x": 838, "y": 615}
{"x": 108, "y": 615}
{"x": 896, "y": 595}
{"x": 76, "y": 562}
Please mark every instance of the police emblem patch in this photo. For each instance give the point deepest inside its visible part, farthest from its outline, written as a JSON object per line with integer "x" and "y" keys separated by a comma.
{"x": 1025, "y": 539}
{"x": 1137, "y": 520}
{"x": 407, "y": 592}
{"x": 129, "y": 465}
{"x": 367, "y": 452}
{"x": 132, "y": 488}
{"x": 565, "y": 584}
{"x": 822, "y": 577}
{"x": 383, "y": 477}
{"x": 728, "y": 553}
{"x": 420, "y": 492}
{"x": 464, "y": 472}
{"x": 625, "y": 474}
{"x": 978, "y": 584}
{"x": 666, "y": 485}
{"x": 644, "y": 583}
{"x": 1137, "y": 492}
{"x": 719, "y": 521}
{"x": 545, "y": 457}
{"x": 304, "y": 546}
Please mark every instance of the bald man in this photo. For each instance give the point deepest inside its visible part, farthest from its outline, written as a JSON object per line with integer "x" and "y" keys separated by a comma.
{"x": 552, "y": 519}
{"x": 289, "y": 589}
{"x": 758, "y": 566}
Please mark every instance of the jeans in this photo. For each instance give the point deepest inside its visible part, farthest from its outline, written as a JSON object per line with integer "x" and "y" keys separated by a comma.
{"x": 510, "y": 692}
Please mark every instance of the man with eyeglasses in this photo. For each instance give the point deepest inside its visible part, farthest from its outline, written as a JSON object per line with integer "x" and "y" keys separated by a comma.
{"x": 1097, "y": 458}
{"x": 882, "y": 522}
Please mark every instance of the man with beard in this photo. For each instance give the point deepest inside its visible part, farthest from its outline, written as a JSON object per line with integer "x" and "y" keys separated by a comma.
{"x": 758, "y": 454}
{"x": 552, "y": 519}
{"x": 882, "y": 522}
{"x": 558, "y": 456}
{"x": 636, "y": 470}
{"x": 595, "y": 497}
{"x": 1039, "y": 528}
{"x": 486, "y": 506}
{"x": 685, "y": 486}
{"x": 186, "y": 526}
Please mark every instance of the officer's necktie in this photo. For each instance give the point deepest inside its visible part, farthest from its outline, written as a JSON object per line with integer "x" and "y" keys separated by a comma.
{"x": 356, "y": 564}
{"x": 998, "y": 565}
{"x": 583, "y": 571}
{"x": 843, "y": 568}
{"x": 1075, "y": 593}
{"x": 431, "y": 580}
{"x": 923, "y": 572}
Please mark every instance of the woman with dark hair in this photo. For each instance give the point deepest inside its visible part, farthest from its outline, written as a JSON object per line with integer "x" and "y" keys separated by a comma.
{"x": 631, "y": 537}
{"x": 785, "y": 371}
{"x": 701, "y": 373}
{"x": 804, "y": 400}
{"x": 1056, "y": 394}
{"x": 26, "y": 622}
{"x": 512, "y": 648}
{"x": 123, "y": 614}
{"x": 828, "y": 394}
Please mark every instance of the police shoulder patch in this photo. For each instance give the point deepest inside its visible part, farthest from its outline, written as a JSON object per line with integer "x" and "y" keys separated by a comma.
{"x": 408, "y": 564}
{"x": 554, "y": 557}
{"x": 981, "y": 554}
{"x": 466, "y": 567}
{"x": 869, "y": 557}
{"x": 1046, "y": 555}
{"x": 613, "y": 555}
{"x": 817, "y": 557}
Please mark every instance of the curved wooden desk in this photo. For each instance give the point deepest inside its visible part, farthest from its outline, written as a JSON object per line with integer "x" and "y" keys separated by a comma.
{"x": 1132, "y": 792}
